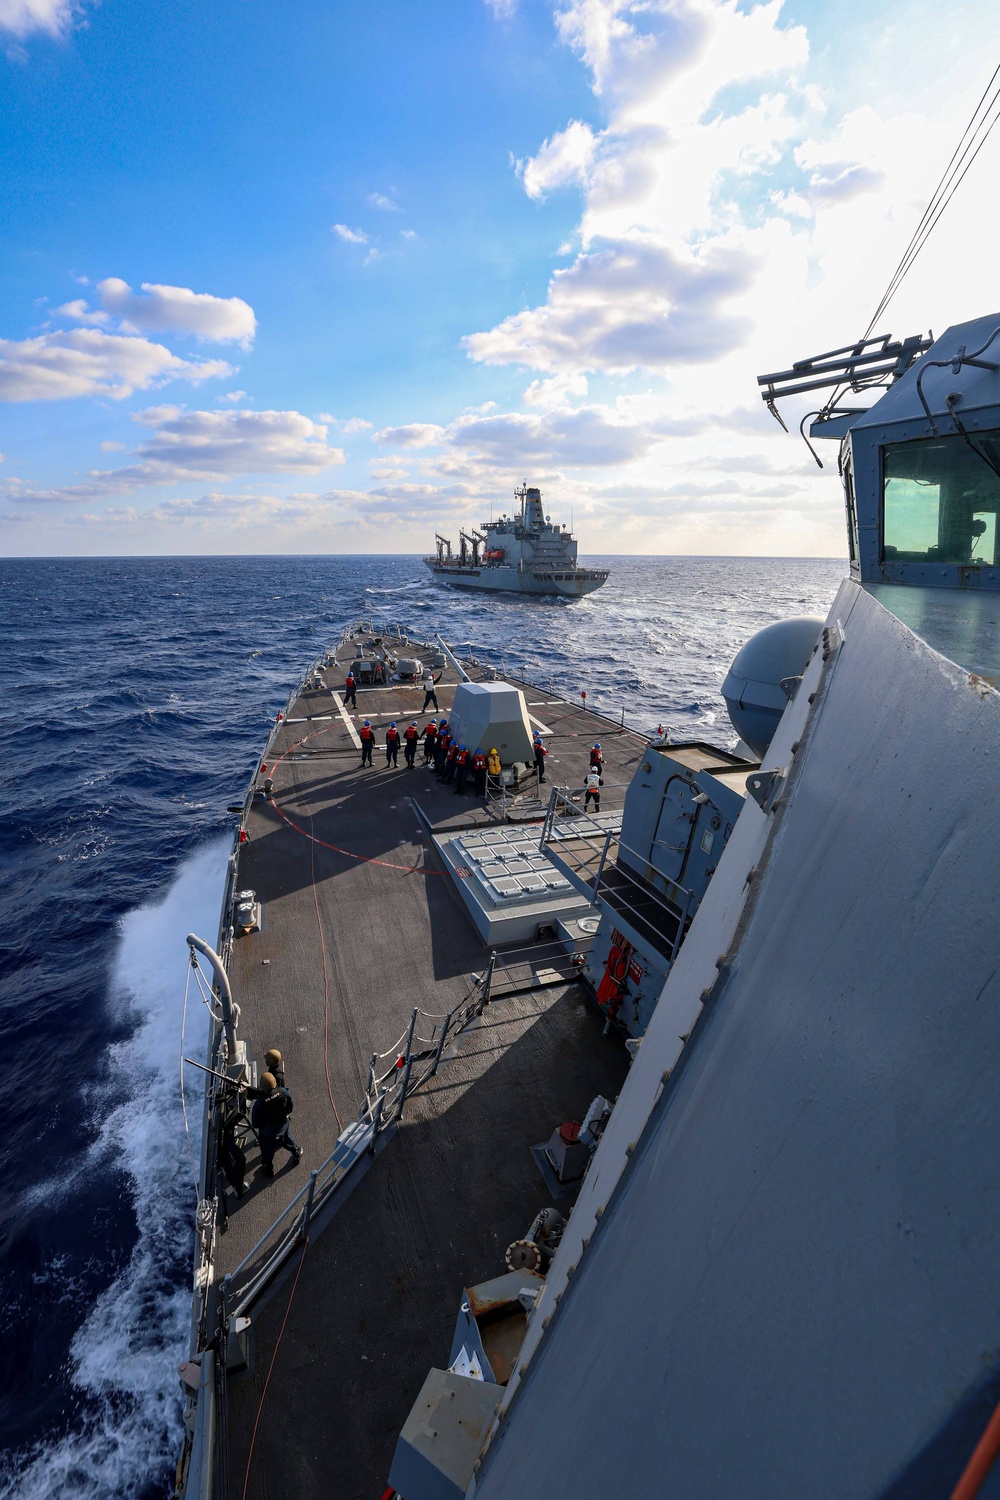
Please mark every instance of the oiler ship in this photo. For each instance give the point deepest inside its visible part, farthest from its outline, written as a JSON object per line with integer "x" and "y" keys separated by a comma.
{"x": 649, "y": 1150}
{"x": 522, "y": 554}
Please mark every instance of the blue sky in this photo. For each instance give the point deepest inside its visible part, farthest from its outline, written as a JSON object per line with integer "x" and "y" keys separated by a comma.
{"x": 331, "y": 277}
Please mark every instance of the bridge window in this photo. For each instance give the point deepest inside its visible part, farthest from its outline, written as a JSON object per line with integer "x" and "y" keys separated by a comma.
{"x": 941, "y": 497}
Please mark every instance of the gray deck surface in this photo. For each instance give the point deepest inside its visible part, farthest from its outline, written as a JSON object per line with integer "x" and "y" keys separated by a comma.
{"x": 379, "y": 1291}
{"x": 361, "y": 924}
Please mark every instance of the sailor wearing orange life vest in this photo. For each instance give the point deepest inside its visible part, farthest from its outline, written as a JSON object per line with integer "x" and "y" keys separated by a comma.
{"x": 441, "y": 748}
{"x": 351, "y": 690}
{"x": 597, "y": 757}
{"x": 411, "y": 738}
{"x": 430, "y": 740}
{"x": 540, "y": 754}
{"x": 367, "y": 737}
{"x": 451, "y": 761}
{"x": 462, "y": 760}
{"x": 392, "y": 745}
{"x": 479, "y": 773}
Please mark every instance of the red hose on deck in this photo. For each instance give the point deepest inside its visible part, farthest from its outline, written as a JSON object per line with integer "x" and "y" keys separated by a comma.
{"x": 981, "y": 1462}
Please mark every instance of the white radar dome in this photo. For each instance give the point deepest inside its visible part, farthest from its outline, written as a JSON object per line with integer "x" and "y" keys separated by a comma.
{"x": 752, "y": 689}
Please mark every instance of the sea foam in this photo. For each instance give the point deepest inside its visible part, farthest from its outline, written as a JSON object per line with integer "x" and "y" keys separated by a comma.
{"x": 124, "y": 1356}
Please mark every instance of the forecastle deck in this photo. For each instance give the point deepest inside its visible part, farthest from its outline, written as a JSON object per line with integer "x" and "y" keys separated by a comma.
{"x": 360, "y": 925}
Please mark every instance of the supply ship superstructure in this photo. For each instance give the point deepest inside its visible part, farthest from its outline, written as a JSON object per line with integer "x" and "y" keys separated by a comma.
{"x": 522, "y": 554}
{"x": 649, "y": 1149}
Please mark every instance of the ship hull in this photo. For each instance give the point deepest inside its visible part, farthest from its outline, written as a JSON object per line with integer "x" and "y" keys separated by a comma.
{"x": 498, "y": 579}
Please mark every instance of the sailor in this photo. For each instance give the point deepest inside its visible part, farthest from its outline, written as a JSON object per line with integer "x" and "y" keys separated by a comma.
{"x": 451, "y": 763}
{"x": 275, "y": 1064}
{"x": 479, "y": 772}
{"x": 461, "y": 769}
{"x": 392, "y": 745}
{"x": 540, "y": 754}
{"x": 367, "y": 737}
{"x": 351, "y": 690}
{"x": 597, "y": 757}
{"x": 592, "y": 788}
{"x": 430, "y": 683}
{"x": 269, "y": 1119}
{"x": 411, "y": 738}
{"x": 430, "y": 740}
{"x": 494, "y": 768}
{"x": 441, "y": 748}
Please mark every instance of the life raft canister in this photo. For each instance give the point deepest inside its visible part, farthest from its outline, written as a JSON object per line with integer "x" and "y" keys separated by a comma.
{"x": 612, "y": 985}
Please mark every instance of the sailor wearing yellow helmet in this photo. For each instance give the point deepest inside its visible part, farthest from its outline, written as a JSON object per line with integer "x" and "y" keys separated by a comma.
{"x": 493, "y": 768}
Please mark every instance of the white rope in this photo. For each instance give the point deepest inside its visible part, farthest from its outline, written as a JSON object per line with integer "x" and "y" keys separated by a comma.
{"x": 204, "y": 991}
{"x": 187, "y": 1128}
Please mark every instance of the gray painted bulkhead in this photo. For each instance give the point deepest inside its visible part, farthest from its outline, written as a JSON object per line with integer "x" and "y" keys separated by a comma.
{"x": 794, "y": 1287}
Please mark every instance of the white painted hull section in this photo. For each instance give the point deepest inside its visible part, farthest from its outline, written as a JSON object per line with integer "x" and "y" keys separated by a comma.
{"x": 499, "y": 578}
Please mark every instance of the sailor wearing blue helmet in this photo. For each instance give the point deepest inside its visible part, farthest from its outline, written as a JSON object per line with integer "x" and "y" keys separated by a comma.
{"x": 391, "y": 745}
{"x": 540, "y": 754}
{"x": 462, "y": 760}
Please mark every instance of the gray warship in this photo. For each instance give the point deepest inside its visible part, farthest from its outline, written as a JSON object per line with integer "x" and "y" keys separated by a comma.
{"x": 522, "y": 554}
{"x": 648, "y": 1147}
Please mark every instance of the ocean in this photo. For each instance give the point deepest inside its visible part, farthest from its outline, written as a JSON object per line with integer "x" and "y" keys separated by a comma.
{"x": 136, "y": 694}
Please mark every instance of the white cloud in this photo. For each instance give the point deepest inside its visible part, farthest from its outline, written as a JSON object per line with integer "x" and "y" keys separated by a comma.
{"x": 564, "y": 158}
{"x": 350, "y": 236}
{"x": 344, "y": 424}
{"x": 584, "y": 437}
{"x": 409, "y": 234}
{"x": 20, "y": 18}
{"x": 502, "y": 9}
{"x": 213, "y": 443}
{"x": 412, "y": 435}
{"x": 80, "y": 313}
{"x": 234, "y": 396}
{"x": 633, "y": 305}
{"x": 555, "y": 391}
{"x": 168, "y": 309}
{"x": 387, "y": 205}
{"x": 201, "y": 445}
{"x": 87, "y": 362}
{"x": 110, "y": 446}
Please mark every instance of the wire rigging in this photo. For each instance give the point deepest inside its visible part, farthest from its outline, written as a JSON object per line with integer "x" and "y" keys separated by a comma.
{"x": 984, "y": 118}
{"x": 973, "y": 138}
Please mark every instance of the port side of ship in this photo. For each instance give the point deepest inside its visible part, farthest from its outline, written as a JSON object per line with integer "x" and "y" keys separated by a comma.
{"x": 669, "y": 1170}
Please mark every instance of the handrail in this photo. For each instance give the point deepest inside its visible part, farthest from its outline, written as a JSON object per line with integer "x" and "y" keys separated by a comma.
{"x": 381, "y": 1107}
{"x": 598, "y": 841}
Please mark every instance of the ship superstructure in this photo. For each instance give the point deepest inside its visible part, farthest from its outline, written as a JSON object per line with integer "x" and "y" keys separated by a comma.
{"x": 526, "y": 553}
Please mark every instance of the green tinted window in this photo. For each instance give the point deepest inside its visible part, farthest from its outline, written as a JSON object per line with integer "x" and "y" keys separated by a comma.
{"x": 941, "y": 499}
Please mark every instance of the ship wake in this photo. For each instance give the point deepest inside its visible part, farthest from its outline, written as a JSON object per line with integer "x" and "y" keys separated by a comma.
{"x": 126, "y": 1428}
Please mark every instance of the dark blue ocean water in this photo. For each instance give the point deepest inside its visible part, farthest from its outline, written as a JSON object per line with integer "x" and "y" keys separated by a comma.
{"x": 134, "y": 697}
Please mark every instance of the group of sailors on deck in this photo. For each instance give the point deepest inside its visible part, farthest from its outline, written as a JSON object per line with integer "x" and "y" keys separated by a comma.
{"x": 456, "y": 763}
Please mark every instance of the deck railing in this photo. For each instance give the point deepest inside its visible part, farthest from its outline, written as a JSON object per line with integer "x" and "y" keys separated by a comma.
{"x": 591, "y": 856}
{"x": 413, "y": 1059}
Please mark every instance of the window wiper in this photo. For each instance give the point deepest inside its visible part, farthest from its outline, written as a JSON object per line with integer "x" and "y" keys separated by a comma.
{"x": 990, "y": 463}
